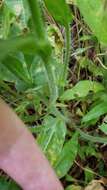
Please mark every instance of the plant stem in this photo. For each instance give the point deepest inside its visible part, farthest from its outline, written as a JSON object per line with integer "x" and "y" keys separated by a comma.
{"x": 67, "y": 53}
{"x": 45, "y": 51}
{"x": 37, "y": 19}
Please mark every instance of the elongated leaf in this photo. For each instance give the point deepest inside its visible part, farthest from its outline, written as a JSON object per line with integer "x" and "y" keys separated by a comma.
{"x": 52, "y": 138}
{"x": 6, "y": 75}
{"x": 95, "y": 139}
{"x": 26, "y": 44}
{"x": 5, "y": 18}
{"x": 15, "y": 66}
{"x": 81, "y": 90}
{"x": 95, "y": 15}
{"x": 59, "y": 10}
{"x": 67, "y": 156}
{"x": 74, "y": 187}
{"x": 95, "y": 112}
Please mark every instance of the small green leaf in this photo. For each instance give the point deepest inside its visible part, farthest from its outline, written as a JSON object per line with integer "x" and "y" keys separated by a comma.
{"x": 67, "y": 156}
{"x": 81, "y": 90}
{"x": 73, "y": 187}
{"x": 59, "y": 10}
{"x": 95, "y": 112}
{"x": 103, "y": 128}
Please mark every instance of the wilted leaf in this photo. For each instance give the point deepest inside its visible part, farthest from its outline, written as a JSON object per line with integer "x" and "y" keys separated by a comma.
{"x": 70, "y": 1}
{"x": 94, "y": 185}
{"x": 67, "y": 156}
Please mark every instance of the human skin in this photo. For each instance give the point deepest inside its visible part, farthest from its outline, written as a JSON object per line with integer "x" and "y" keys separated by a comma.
{"x": 21, "y": 157}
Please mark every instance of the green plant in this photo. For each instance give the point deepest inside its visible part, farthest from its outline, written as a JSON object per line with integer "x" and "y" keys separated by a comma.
{"x": 35, "y": 78}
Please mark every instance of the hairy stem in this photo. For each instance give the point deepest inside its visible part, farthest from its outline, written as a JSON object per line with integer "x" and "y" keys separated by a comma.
{"x": 67, "y": 53}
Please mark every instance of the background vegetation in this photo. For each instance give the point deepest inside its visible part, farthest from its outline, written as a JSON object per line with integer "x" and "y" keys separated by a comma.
{"x": 53, "y": 73}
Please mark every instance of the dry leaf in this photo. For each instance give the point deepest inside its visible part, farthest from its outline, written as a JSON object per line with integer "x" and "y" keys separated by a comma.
{"x": 70, "y": 1}
{"x": 103, "y": 181}
{"x": 94, "y": 185}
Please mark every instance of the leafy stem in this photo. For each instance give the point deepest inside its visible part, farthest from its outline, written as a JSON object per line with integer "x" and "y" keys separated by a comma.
{"x": 45, "y": 49}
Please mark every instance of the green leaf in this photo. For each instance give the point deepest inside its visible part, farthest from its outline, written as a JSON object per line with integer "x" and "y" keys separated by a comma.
{"x": 15, "y": 66}
{"x": 26, "y": 44}
{"x": 67, "y": 156}
{"x": 89, "y": 174}
{"x": 6, "y": 20}
{"x": 20, "y": 8}
{"x": 74, "y": 187}
{"x": 6, "y": 75}
{"x": 95, "y": 139}
{"x": 8, "y": 185}
{"x": 95, "y": 112}
{"x": 103, "y": 128}
{"x": 95, "y": 15}
{"x": 40, "y": 32}
{"x": 59, "y": 10}
{"x": 38, "y": 24}
{"x": 81, "y": 90}
{"x": 52, "y": 137}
